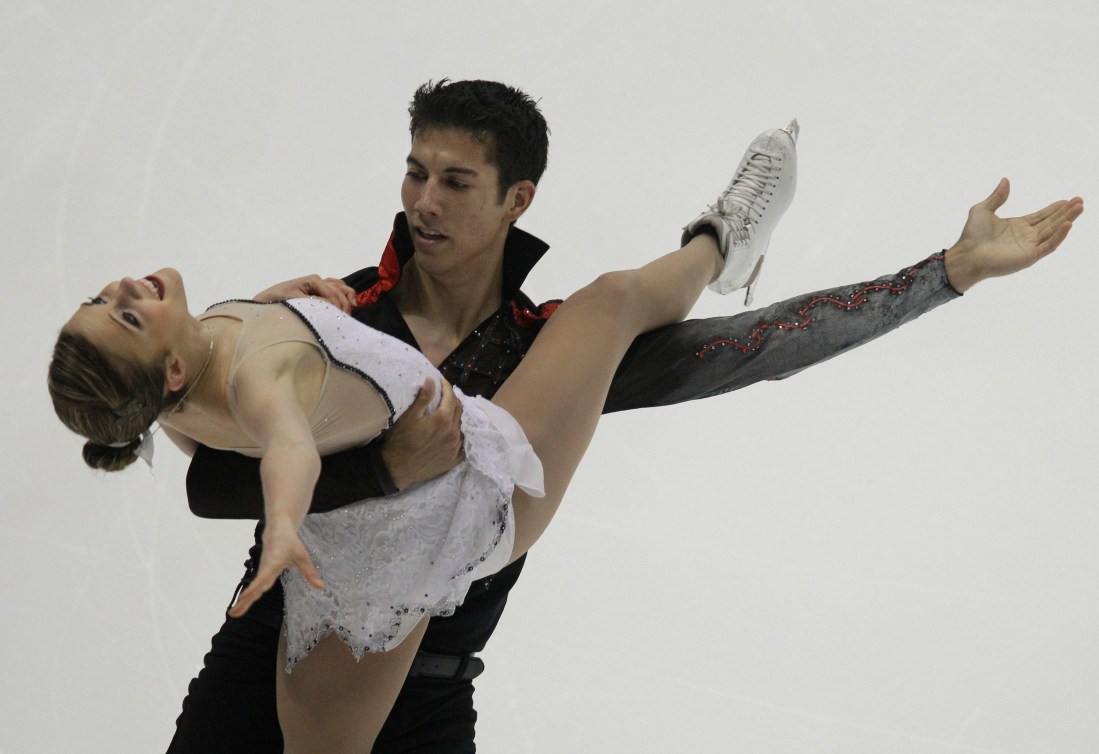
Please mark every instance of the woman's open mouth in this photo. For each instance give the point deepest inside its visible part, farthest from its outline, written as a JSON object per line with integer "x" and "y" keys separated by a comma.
{"x": 155, "y": 284}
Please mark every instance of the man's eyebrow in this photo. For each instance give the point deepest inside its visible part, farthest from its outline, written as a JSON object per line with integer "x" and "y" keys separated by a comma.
{"x": 459, "y": 170}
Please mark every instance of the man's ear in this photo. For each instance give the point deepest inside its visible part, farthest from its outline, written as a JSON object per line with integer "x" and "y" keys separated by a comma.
{"x": 175, "y": 373}
{"x": 519, "y": 198}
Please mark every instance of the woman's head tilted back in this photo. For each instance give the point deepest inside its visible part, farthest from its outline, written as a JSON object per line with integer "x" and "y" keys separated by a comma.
{"x": 109, "y": 403}
{"x": 108, "y": 376}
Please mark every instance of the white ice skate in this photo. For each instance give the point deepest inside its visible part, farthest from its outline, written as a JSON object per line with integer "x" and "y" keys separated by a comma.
{"x": 745, "y": 214}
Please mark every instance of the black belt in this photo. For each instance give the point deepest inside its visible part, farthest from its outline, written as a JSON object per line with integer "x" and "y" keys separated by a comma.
{"x": 452, "y": 667}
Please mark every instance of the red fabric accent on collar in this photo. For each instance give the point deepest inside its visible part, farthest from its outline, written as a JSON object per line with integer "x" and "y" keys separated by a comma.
{"x": 526, "y": 317}
{"x": 389, "y": 272}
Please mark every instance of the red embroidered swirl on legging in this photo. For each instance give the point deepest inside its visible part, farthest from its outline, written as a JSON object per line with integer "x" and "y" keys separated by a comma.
{"x": 755, "y": 339}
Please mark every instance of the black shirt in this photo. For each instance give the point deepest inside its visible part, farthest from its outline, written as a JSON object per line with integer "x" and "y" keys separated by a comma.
{"x": 222, "y": 484}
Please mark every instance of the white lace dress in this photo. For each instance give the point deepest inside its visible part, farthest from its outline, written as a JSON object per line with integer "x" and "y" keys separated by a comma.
{"x": 388, "y": 562}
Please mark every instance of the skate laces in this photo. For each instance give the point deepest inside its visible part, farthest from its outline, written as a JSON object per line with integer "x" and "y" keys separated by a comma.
{"x": 755, "y": 180}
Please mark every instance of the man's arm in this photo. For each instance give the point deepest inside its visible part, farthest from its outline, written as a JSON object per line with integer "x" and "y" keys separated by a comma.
{"x": 333, "y": 290}
{"x": 702, "y": 358}
{"x": 419, "y": 446}
{"x": 223, "y": 484}
{"x": 707, "y": 357}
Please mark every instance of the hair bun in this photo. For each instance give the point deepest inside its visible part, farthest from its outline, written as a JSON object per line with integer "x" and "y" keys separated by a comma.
{"x": 110, "y": 457}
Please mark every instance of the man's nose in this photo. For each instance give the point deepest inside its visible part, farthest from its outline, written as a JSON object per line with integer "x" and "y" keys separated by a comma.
{"x": 427, "y": 202}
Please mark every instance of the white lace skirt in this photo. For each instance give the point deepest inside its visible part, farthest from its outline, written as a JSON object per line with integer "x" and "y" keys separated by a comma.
{"x": 388, "y": 562}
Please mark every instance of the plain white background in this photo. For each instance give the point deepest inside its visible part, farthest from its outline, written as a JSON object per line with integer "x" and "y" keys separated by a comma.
{"x": 893, "y": 552}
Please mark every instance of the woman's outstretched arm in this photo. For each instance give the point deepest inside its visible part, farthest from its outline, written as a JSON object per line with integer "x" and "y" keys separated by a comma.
{"x": 269, "y": 410}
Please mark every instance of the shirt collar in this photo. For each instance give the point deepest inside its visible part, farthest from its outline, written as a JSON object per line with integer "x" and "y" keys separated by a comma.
{"x": 521, "y": 252}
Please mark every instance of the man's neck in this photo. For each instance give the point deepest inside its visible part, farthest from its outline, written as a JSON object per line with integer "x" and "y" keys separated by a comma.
{"x": 442, "y": 310}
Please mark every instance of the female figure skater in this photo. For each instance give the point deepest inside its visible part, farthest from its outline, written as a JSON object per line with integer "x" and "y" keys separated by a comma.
{"x": 292, "y": 381}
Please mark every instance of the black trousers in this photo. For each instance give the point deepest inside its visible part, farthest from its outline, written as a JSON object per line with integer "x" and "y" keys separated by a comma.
{"x": 230, "y": 705}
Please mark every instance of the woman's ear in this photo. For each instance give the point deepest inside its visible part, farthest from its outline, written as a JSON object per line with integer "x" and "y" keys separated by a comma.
{"x": 175, "y": 373}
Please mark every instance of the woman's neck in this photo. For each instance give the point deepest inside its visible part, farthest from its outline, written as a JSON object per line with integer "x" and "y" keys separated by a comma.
{"x": 208, "y": 356}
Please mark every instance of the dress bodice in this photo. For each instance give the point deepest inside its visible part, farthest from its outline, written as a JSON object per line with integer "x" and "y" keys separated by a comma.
{"x": 360, "y": 364}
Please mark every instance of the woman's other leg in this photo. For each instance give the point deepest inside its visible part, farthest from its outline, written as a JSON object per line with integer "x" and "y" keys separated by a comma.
{"x": 558, "y": 391}
{"x": 332, "y": 703}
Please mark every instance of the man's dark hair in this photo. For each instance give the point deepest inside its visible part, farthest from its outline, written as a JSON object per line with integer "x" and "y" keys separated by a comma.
{"x": 499, "y": 116}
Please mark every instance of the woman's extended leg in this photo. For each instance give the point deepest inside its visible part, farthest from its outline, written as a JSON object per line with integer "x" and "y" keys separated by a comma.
{"x": 557, "y": 393}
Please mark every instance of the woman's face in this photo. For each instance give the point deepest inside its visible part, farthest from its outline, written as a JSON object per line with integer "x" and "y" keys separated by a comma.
{"x": 139, "y": 321}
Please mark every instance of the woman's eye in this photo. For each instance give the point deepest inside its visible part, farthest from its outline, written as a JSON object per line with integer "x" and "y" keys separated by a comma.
{"x": 97, "y": 300}
{"x": 130, "y": 318}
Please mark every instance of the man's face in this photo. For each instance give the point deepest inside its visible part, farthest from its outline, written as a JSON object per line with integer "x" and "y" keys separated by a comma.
{"x": 451, "y": 198}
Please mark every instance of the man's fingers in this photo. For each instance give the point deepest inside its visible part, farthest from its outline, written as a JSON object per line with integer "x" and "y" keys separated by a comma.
{"x": 425, "y": 395}
{"x": 345, "y": 292}
{"x": 1051, "y": 244}
{"x": 450, "y": 411}
{"x": 1053, "y": 230}
{"x": 999, "y": 195}
{"x": 448, "y": 402}
{"x": 313, "y": 285}
{"x": 1069, "y": 211}
{"x": 1061, "y": 216}
{"x": 332, "y": 290}
{"x": 1048, "y": 213}
{"x": 1049, "y": 220}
